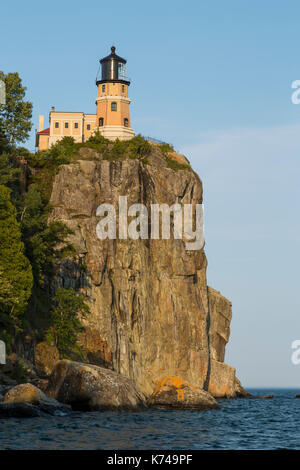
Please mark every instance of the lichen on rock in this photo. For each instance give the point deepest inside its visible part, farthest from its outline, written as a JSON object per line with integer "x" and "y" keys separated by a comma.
{"x": 175, "y": 393}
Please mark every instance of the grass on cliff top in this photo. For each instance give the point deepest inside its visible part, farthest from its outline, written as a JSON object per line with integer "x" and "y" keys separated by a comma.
{"x": 174, "y": 165}
{"x": 45, "y": 164}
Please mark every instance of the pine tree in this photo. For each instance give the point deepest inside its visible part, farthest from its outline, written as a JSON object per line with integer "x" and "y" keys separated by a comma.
{"x": 66, "y": 318}
{"x": 45, "y": 241}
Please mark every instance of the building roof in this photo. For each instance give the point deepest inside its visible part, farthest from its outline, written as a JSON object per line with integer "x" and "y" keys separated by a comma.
{"x": 114, "y": 56}
{"x": 44, "y": 132}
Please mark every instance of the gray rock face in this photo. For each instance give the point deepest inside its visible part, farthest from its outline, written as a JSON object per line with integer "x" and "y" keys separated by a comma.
{"x": 86, "y": 387}
{"x": 151, "y": 313}
{"x": 220, "y": 318}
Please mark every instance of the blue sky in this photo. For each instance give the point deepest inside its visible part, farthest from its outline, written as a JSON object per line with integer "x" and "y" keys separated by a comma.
{"x": 213, "y": 78}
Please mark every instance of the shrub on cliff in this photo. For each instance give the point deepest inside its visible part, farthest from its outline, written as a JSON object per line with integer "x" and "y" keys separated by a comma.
{"x": 97, "y": 138}
{"x": 165, "y": 147}
{"x": 96, "y": 141}
{"x": 62, "y": 152}
{"x": 139, "y": 147}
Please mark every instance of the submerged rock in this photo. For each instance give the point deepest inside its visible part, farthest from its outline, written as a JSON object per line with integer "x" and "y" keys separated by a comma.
{"x": 264, "y": 397}
{"x": 88, "y": 387}
{"x": 175, "y": 393}
{"x": 18, "y": 410}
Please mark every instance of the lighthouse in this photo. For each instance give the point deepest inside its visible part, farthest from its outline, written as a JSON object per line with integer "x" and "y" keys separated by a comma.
{"x": 112, "y": 117}
{"x": 112, "y": 102}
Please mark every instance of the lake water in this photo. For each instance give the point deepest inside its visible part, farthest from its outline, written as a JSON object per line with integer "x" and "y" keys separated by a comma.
{"x": 239, "y": 424}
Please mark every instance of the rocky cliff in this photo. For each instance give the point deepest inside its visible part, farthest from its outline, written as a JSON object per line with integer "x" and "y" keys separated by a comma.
{"x": 152, "y": 313}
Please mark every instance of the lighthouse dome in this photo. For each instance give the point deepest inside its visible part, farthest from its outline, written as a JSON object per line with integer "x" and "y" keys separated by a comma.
{"x": 113, "y": 68}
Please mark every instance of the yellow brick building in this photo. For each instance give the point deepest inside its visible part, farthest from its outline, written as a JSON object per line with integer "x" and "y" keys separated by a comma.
{"x": 112, "y": 117}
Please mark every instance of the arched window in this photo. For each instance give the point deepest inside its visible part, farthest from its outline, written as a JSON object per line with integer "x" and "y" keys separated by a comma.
{"x": 126, "y": 122}
{"x": 100, "y": 122}
{"x": 114, "y": 106}
{"x": 103, "y": 88}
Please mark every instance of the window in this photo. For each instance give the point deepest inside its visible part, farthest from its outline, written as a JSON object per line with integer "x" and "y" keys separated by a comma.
{"x": 126, "y": 122}
{"x": 76, "y": 125}
{"x": 121, "y": 70}
{"x": 123, "y": 88}
{"x": 103, "y": 88}
{"x": 114, "y": 106}
{"x": 66, "y": 125}
{"x": 56, "y": 125}
{"x": 88, "y": 127}
{"x": 100, "y": 122}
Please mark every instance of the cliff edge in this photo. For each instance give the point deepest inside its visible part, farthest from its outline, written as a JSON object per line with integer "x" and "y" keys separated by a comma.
{"x": 152, "y": 313}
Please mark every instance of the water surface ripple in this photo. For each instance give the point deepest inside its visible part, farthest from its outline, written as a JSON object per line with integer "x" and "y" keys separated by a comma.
{"x": 239, "y": 424}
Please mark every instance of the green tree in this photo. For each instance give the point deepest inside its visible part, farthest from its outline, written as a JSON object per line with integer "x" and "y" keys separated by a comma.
{"x": 45, "y": 242}
{"x": 9, "y": 174}
{"x": 4, "y": 144}
{"x": 15, "y": 270}
{"x": 16, "y": 113}
{"x": 66, "y": 316}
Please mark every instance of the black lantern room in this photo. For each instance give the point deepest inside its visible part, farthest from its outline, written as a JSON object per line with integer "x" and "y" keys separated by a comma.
{"x": 113, "y": 69}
